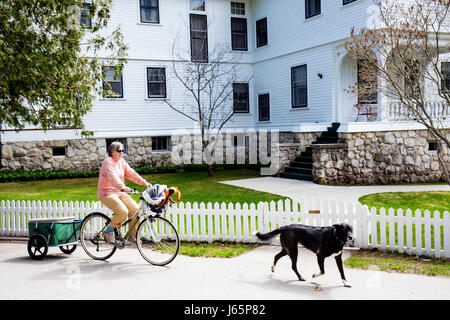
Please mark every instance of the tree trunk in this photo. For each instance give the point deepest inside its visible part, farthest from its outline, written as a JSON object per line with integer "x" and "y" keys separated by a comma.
{"x": 210, "y": 171}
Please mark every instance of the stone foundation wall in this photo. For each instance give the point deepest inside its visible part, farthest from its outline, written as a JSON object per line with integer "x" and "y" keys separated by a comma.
{"x": 80, "y": 154}
{"x": 379, "y": 158}
{"x": 364, "y": 158}
{"x": 88, "y": 154}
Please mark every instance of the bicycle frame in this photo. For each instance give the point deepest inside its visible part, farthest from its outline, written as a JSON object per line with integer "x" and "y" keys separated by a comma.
{"x": 143, "y": 211}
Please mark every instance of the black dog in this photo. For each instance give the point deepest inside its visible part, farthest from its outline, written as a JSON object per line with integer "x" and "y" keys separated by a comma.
{"x": 323, "y": 241}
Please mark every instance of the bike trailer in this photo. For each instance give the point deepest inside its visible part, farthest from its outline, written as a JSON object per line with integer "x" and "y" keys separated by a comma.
{"x": 47, "y": 232}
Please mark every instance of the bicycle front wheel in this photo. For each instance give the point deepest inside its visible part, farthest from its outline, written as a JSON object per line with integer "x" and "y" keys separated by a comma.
{"x": 157, "y": 241}
{"x": 92, "y": 236}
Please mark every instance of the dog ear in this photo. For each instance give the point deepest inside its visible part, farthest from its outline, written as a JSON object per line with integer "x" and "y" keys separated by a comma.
{"x": 333, "y": 230}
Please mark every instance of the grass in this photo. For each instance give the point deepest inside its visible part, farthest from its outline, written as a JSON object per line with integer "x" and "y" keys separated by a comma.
{"x": 215, "y": 249}
{"x": 425, "y": 200}
{"x": 397, "y": 262}
{"x": 194, "y": 187}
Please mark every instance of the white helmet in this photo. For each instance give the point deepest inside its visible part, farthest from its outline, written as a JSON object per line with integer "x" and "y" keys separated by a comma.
{"x": 154, "y": 194}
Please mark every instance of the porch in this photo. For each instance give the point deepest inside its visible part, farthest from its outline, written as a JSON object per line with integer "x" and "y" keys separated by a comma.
{"x": 363, "y": 97}
{"x": 395, "y": 111}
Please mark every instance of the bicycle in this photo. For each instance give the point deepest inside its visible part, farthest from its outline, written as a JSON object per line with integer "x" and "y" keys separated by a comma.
{"x": 156, "y": 238}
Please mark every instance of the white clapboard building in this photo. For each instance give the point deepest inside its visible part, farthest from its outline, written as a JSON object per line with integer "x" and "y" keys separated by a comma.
{"x": 293, "y": 76}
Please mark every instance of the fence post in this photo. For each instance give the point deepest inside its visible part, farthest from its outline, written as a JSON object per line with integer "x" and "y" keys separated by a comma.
{"x": 362, "y": 241}
{"x": 446, "y": 234}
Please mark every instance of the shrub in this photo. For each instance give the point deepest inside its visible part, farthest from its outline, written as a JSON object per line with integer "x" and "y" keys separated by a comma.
{"x": 22, "y": 175}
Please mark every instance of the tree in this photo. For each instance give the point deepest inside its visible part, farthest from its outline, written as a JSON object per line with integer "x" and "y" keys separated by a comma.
{"x": 407, "y": 52}
{"x": 209, "y": 88}
{"x": 49, "y": 65}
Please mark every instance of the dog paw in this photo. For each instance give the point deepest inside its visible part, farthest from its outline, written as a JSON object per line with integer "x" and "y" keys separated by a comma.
{"x": 316, "y": 275}
{"x": 272, "y": 268}
{"x": 346, "y": 284}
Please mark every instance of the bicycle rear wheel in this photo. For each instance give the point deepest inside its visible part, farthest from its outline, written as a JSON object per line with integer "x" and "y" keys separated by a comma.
{"x": 92, "y": 236}
{"x": 157, "y": 241}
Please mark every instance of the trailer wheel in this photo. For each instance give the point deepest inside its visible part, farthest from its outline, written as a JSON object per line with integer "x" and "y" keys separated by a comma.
{"x": 68, "y": 249}
{"x": 37, "y": 247}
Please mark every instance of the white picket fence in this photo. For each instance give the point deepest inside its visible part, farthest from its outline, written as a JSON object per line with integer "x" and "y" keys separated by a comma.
{"x": 423, "y": 234}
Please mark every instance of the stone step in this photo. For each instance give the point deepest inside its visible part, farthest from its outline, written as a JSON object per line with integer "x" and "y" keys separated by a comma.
{"x": 303, "y": 159}
{"x": 299, "y": 170}
{"x": 297, "y": 176}
{"x": 298, "y": 164}
{"x": 306, "y": 154}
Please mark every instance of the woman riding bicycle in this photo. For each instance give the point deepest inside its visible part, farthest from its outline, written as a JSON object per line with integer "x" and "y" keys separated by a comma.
{"x": 111, "y": 188}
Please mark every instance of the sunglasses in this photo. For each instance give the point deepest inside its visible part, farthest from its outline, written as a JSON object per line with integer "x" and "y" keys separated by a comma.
{"x": 120, "y": 151}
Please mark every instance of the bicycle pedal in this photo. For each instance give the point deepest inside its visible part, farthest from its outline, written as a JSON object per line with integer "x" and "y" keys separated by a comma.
{"x": 119, "y": 243}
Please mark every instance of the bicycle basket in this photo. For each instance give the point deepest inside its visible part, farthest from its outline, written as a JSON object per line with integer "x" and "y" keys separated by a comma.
{"x": 158, "y": 196}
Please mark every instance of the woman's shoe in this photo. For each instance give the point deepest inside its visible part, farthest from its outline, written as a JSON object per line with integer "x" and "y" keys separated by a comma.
{"x": 108, "y": 234}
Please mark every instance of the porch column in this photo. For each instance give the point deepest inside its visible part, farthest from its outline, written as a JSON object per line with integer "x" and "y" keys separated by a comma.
{"x": 383, "y": 101}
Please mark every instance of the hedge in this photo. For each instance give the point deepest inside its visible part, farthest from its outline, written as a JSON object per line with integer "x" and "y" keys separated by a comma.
{"x": 22, "y": 175}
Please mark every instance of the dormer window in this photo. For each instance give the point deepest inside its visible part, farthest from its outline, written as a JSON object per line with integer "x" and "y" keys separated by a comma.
{"x": 238, "y": 8}
{"x": 197, "y": 5}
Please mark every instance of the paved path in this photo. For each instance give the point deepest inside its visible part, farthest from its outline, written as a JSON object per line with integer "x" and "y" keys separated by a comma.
{"x": 127, "y": 276}
{"x": 294, "y": 188}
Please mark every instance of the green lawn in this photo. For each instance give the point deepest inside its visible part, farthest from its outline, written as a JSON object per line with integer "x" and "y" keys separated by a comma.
{"x": 194, "y": 187}
{"x": 395, "y": 262}
{"x": 427, "y": 200}
{"x": 215, "y": 249}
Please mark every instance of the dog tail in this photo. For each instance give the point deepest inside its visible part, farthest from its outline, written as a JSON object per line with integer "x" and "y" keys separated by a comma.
{"x": 270, "y": 235}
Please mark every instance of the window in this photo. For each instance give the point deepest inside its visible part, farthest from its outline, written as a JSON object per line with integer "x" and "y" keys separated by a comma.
{"x": 197, "y": 5}
{"x": 432, "y": 146}
{"x": 347, "y": 1}
{"x": 85, "y": 20}
{"x": 239, "y": 34}
{"x": 261, "y": 32}
{"x": 149, "y": 11}
{"x": 240, "y": 141}
{"x": 161, "y": 144}
{"x": 264, "y": 107}
{"x": 156, "y": 82}
{"x": 299, "y": 87}
{"x": 240, "y": 97}
{"x": 312, "y": 8}
{"x": 199, "y": 38}
{"x": 121, "y": 140}
{"x": 115, "y": 81}
{"x": 238, "y": 8}
{"x": 445, "y": 70}
{"x": 59, "y": 151}
{"x": 367, "y": 83}
{"x": 412, "y": 79}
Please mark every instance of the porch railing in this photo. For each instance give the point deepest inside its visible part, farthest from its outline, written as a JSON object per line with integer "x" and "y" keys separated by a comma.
{"x": 436, "y": 110}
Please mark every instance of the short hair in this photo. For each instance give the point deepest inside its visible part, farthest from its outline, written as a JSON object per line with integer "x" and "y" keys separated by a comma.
{"x": 114, "y": 146}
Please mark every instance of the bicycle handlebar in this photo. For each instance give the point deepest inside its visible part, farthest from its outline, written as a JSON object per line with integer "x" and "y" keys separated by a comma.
{"x": 133, "y": 191}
